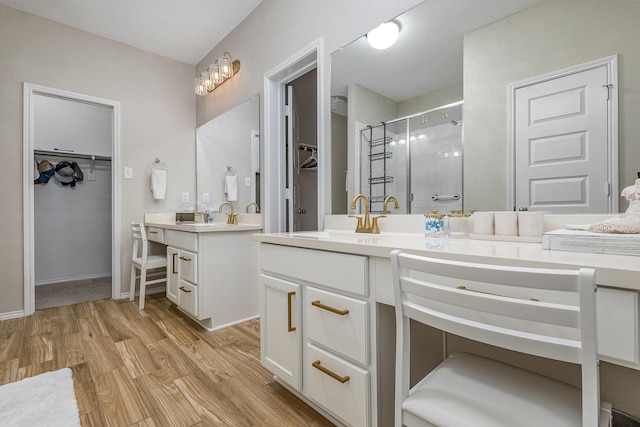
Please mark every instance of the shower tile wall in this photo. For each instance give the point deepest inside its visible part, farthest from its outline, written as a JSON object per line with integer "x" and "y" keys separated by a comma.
{"x": 436, "y": 168}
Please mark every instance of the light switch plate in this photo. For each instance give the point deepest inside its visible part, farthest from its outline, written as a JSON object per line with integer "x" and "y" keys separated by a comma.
{"x": 128, "y": 172}
{"x": 205, "y": 197}
{"x": 247, "y": 181}
{"x": 185, "y": 197}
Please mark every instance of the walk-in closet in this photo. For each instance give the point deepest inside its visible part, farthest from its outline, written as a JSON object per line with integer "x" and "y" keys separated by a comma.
{"x": 72, "y": 199}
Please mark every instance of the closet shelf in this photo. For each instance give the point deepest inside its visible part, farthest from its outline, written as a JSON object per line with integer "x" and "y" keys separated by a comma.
{"x": 70, "y": 155}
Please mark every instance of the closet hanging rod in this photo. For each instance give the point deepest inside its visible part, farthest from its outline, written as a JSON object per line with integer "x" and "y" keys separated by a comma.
{"x": 70, "y": 155}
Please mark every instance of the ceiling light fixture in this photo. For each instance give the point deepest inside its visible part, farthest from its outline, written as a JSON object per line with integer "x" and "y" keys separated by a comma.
{"x": 217, "y": 73}
{"x": 384, "y": 36}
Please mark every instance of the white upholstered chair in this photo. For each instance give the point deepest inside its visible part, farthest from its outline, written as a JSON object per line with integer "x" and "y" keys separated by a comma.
{"x": 469, "y": 390}
{"x": 141, "y": 260}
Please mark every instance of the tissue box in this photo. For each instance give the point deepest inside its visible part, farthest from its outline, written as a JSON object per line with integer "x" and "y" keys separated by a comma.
{"x": 187, "y": 217}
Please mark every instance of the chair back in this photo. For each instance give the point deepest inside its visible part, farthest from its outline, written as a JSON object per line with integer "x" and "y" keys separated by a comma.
{"x": 477, "y": 301}
{"x": 140, "y": 241}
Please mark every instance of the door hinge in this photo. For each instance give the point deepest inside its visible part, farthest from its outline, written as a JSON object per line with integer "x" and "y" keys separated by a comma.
{"x": 287, "y": 111}
{"x": 287, "y": 194}
{"x": 608, "y": 88}
{"x": 608, "y": 189}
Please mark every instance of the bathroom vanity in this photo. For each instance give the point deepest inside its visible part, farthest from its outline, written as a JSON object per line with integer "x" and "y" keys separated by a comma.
{"x": 211, "y": 268}
{"x": 327, "y": 320}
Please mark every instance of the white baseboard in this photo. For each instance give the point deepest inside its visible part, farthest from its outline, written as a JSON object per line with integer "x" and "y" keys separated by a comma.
{"x": 12, "y": 315}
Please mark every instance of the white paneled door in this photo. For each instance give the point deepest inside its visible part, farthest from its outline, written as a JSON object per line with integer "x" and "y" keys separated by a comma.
{"x": 561, "y": 131}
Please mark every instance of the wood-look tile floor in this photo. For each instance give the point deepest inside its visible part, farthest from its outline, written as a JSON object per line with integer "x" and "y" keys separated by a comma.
{"x": 151, "y": 367}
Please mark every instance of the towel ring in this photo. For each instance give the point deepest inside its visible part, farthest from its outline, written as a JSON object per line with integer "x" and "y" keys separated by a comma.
{"x": 158, "y": 164}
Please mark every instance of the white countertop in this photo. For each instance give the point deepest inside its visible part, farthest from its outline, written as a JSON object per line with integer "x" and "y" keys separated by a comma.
{"x": 611, "y": 270}
{"x": 246, "y": 222}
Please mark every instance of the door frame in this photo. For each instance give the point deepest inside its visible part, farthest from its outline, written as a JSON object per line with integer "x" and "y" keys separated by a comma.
{"x": 29, "y": 92}
{"x": 611, "y": 64}
{"x": 275, "y": 81}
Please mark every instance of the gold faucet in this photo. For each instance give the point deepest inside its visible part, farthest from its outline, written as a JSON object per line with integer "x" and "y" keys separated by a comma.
{"x": 369, "y": 225}
{"x": 232, "y": 218}
{"x": 387, "y": 200}
{"x": 254, "y": 204}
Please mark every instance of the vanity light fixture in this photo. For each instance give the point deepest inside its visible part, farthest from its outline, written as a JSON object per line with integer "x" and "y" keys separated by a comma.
{"x": 217, "y": 73}
{"x": 384, "y": 35}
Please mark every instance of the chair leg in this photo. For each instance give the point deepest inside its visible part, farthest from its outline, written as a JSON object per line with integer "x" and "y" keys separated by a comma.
{"x": 132, "y": 283}
{"x": 143, "y": 284}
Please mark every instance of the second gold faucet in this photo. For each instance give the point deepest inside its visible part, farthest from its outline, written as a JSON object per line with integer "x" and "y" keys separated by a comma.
{"x": 232, "y": 218}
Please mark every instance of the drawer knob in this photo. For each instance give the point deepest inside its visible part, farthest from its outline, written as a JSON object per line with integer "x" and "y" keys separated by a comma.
{"x": 331, "y": 309}
{"x": 183, "y": 289}
{"x": 332, "y": 374}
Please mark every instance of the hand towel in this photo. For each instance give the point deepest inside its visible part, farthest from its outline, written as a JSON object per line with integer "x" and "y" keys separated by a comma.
{"x": 158, "y": 183}
{"x": 231, "y": 187}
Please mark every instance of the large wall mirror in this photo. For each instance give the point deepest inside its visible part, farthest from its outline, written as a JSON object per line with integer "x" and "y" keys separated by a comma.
{"x": 471, "y": 51}
{"x": 229, "y": 144}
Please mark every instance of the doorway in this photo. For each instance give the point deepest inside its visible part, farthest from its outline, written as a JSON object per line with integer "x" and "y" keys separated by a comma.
{"x": 302, "y": 153}
{"x": 72, "y": 222}
{"x": 278, "y": 200}
{"x": 564, "y": 140}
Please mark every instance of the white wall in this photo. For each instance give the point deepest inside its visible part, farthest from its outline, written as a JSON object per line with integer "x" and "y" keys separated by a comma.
{"x": 157, "y": 120}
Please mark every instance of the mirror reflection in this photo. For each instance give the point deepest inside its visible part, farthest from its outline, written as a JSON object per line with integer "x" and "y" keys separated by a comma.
{"x": 421, "y": 72}
{"x": 228, "y": 158}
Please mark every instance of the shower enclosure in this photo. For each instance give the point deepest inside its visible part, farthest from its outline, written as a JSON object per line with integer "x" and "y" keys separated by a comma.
{"x": 417, "y": 159}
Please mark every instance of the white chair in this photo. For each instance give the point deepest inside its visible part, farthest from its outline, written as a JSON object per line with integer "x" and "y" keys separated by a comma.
{"x": 144, "y": 262}
{"x": 469, "y": 390}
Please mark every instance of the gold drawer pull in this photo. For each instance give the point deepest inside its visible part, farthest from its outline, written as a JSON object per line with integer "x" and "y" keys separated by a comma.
{"x": 174, "y": 270}
{"x": 185, "y": 258}
{"x": 333, "y": 375}
{"x": 183, "y": 289}
{"x": 331, "y": 309}
{"x": 153, "y": 232}
{"x": 289, "y": 327}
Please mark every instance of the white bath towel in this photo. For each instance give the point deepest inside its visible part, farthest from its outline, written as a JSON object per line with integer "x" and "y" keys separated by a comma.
{"x": 158, "y": 183}
{"x": 231, "y": 187}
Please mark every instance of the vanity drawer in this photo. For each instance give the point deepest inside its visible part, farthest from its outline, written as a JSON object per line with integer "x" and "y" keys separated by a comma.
{"x": 617, "y": 314}
{"x": 348, "y": 400}
{"x": 340, "y": 271}
{"x": 339, "y": 323}
{"x": 182, "y": 239}
{"x": 188, "y": 266}
{"x": 156, "y": 234}
{"x": 188, "y": 297}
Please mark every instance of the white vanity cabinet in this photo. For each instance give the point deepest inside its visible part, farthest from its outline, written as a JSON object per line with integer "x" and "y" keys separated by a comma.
{"x": 316, "y": 328}
{"x": 211, "y": 275}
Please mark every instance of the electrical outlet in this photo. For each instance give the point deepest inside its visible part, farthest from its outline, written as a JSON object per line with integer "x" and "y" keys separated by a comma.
{"x": 185, "y": 197}
{"x": 205, "y": 197}
{"x": 90, "y": 175}
{"x": 247, "y": 181}
{"x": 128, "y": 172}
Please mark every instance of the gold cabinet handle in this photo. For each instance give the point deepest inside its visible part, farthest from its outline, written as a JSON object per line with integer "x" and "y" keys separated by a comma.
{"x": 333, "y": 375}
{"x": 185, "y": 258}
{"x": 289, "y": 327}
{"x": 174, "y": 270}
{"x": 183, "y": 289}
{"x": 331, "y": 309}
{"x": 153, "y": 232}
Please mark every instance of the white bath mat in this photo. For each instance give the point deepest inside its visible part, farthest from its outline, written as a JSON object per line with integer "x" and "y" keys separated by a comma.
{"x": 44, "y": 400}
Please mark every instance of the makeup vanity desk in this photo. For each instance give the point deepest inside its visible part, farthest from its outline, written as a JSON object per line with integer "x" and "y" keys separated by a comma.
{"x": 326, "y": 314}
{"x": 211, "y": 268}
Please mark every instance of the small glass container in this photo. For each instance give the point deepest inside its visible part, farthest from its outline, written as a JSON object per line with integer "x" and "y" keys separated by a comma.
{"x": 435, "y": 225}
{"x": 458, "y": 224}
